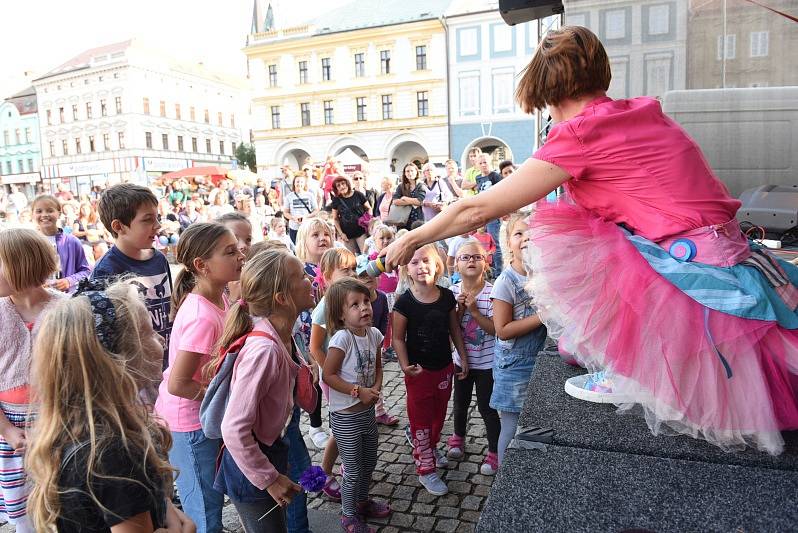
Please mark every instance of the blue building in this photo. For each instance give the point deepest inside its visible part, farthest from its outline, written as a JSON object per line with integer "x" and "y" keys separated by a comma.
{"x": 20, "y": 151}
{"x": 486, "y": 57}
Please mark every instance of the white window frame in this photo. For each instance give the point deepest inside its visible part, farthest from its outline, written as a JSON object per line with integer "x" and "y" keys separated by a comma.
{"x": 759, "y": 44}
{"x": 730, "y": 48}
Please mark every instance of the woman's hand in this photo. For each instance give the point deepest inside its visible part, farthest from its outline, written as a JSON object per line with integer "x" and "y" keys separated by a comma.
{"x": 177, "y": 521}
{"x": 399, "y": 252}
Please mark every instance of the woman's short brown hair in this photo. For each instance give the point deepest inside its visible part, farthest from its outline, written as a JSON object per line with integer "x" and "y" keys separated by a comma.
{"x": 569, "y": 62}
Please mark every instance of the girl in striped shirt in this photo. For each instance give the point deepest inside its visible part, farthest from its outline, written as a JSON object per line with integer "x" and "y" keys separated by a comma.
{"x": 475, "y": 311}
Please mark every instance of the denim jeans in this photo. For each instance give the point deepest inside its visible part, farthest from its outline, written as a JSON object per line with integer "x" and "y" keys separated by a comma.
{"x": 298, "y": 462}
{"x": 494, "y": 228}
{"x": 194, "y": 455}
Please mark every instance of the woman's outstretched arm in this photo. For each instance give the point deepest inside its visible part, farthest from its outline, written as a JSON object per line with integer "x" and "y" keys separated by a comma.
{"x": 532, "y": 181}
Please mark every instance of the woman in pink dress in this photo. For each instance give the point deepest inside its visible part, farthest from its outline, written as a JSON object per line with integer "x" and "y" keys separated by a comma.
{"x": 642, "y": 270}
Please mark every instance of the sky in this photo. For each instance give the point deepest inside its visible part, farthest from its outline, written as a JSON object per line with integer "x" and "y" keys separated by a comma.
{"x": 39, "y": 35}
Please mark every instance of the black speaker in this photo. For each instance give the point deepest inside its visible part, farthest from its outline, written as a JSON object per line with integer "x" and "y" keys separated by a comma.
{"x": 515, "y": 11}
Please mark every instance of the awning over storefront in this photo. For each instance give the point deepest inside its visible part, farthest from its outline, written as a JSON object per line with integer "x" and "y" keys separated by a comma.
{"x": 214, "y": 173}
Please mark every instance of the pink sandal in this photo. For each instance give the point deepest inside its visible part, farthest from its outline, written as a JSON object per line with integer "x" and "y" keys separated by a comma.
{"x": 374, "y": 509}
{"x": 387, "y": 419}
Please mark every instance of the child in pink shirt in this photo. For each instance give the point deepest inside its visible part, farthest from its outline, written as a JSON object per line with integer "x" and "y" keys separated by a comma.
{"x": 211, "y": 259}
{"x": 254, "y": 462}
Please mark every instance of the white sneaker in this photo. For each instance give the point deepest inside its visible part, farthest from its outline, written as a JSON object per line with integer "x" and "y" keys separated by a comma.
{"x": 319, "y": 437}
{"x": 440, "y": 460}
{"x": 434, "y": 484}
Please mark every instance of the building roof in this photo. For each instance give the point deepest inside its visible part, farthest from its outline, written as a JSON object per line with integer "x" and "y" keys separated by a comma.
{"x": 465, "y": 7}
{"x": 361, "y": 14}
{"x": 25, "y": 101}
{"x": 93, "y": 55}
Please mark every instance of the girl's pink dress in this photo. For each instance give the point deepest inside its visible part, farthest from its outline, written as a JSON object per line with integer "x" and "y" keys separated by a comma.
{"x": 715, "y": 364}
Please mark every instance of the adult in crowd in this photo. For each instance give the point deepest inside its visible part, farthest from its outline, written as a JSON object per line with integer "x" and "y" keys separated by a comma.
{"x": 313, "y": 184}
{"x": 486, "y": 179}
{"x": 17, "y": 199}
{"x": 348, "y": 205}
{"x": 410, "y": 192}
{"x": 437, "y": 192}
{"x": 86, "y": 220}
{"x": 219, "y": 206}
{"x": 360, "y": 185}
{"x": 469, "y": 183}
{"x": 587, "y": 270}
{"x": 451, "y": 180}
{"x": 298, "y": 205}
{"x": 63, "y": 193}
{"x": 383, "y": 204}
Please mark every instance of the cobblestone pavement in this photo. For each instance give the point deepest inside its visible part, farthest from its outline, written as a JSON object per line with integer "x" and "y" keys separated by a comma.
{"x": 395, "y": 479}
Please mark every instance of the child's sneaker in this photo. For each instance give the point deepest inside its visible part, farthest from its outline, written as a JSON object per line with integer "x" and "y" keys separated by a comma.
{"x": 389, "y": 355}
{"x": 455, "y": 444}
{"x": 355, "y": 524}
{"x": 434, "y": 484}
{"x": 387, "y": 419}
{"x": 319, "y": 437}
{"x": 373, "y": 509}
{"x": 332, "y": 489}
{"x": 490, "y": 465}
{"x": 440, "y": 460}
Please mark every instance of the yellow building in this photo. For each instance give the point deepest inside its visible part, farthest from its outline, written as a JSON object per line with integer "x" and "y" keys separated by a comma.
{"x": 369, "y": 76}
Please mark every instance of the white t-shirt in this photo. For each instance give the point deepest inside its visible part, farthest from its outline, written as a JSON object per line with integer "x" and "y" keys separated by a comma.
{"x": 478, "y": 342}
{"x": 299, "y": 204}
{"x": 359, "y": 365}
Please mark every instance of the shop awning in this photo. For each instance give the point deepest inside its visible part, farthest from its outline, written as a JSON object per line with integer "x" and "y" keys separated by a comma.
{"x": 213, "y": 173}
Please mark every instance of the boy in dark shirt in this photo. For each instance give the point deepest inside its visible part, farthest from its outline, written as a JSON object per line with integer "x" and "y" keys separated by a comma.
{"x": 485, "y": 180}
{"x": 130, "y": 213}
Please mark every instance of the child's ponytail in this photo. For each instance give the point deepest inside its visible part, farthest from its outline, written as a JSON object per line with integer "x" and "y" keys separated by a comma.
{"x": 197, "y": 242}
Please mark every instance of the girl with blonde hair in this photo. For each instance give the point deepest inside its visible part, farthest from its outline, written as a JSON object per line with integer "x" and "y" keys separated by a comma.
{"x": 97, "y": 454}
{"x": 27, "y": 260}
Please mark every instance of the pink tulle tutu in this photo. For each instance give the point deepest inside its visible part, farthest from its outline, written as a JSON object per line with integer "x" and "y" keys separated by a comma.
{"x": 597, "y": 294}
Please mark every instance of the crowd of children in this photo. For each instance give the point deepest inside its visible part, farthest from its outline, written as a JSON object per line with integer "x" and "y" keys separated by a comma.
{"x": 113, "y": 446}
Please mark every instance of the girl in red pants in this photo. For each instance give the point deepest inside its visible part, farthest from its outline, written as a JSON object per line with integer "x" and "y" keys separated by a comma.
{"x": 424, "y": 322}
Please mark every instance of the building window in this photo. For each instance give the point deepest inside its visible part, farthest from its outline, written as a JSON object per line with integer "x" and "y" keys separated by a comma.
{"x": 180, "y": 143}
{"x": 730, "y": 50}
{"x": 361, "y": 108}
{"x": 232, "y": 120}
{"x": 118, "y": 105}
{"x": 165, "y": 141}
{"x": 30, "y": 165}
{"x": 304, "y": 111}
{"x": 121, "y": 138}
{"x": 27, "y": 136}
{"x": 148, "y": 139}
{"x": 194, "y": 145}
{"x": 20, "y": 166}
{"x": 275, "y": 117}
{"x": 163, "y": 108}
{"x": 6, "y": 138}
{"x": 658, "y": 78}
{"x": 103, "y": 109}
{"x": 659, "y": 19}
{"x": 221, "y": 147}
{"x": 18, "y": 136}
{"x": 303, "y": 72}
{"x": 50, "y": 117}
{"x": 178, "y": 114}
{"x": 207, "y": 117}
{"x": 146, "y": 106}
{"x": 759, "y": 43}
{"x": 207, "y": 146}
{"x": 385, "y": 62}
{"x": 502, "y": 80}
{"x": 106, "y": 141}
{"x": 88, "y": 110}
{"x": 233, "y": 147}
{"x": 74, "y": 111}
{"x": 77, "y": 145}
{"x": 422, "y": 100}
{"x": 328, "y": 112}
{"x": 192, "y": 114}
{"x": 219, "y": 119}
{"x": 421, "y": 57}
{"x": 615, "y": 24}
{"x": 468, "y": 91}
{"x": 272, "y": 75}
{"x": 326, "y": 69}
{"x": 8, "y": 167}
{"x": 360, "y": 65}
{"x": 52, "y": 148}
{"x": 91, "y": 144}
{"x": 387, "y": 107}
